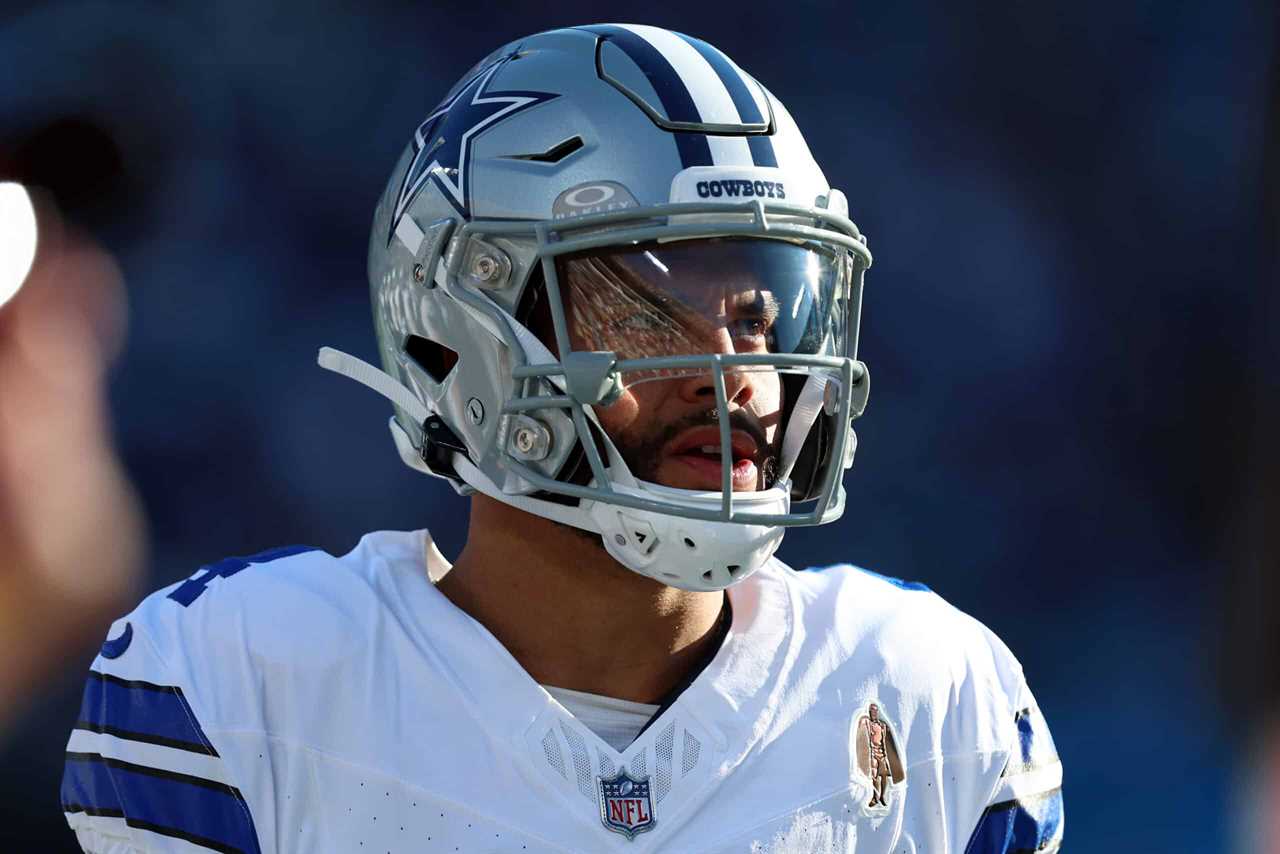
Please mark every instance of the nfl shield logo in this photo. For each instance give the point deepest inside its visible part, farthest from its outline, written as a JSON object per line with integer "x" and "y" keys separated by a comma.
{"x": 625, "y": 805}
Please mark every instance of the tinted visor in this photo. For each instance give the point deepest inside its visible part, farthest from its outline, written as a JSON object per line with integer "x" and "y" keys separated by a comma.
{"x": 693, "y": 297}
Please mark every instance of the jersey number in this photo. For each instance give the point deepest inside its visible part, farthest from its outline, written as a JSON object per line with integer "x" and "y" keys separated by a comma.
{"x": 189, "y": 591}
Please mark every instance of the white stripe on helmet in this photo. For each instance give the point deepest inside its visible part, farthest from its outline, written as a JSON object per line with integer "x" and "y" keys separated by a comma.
{"x": 709, "y": 94}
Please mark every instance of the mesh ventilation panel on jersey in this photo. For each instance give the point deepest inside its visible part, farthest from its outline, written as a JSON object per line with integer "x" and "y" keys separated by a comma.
{"x": 664, "y": 747}
{"x": 607, "y": 768}
{"x": 581, "y": 761}
{"x": 640, "y": 765}
{"x": 554, "y": 756}
{"x": 692, "y": 747}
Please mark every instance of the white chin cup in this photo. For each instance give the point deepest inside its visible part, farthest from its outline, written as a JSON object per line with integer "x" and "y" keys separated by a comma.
{"x": 688, "y": 553}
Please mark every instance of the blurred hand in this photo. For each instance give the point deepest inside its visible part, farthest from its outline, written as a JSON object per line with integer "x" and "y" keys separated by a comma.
{"x": 71, "y": 527}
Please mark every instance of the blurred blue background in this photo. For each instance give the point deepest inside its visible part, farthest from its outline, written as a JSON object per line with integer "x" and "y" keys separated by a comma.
{"x": 1065, "y": 206}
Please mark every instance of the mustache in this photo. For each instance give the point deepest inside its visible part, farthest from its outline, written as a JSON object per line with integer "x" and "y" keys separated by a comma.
{"x": 738, "y": 420}
{"x": 642, "y": 457}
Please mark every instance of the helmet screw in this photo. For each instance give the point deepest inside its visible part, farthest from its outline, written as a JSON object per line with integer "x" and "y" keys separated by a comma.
{"x": 619, "y": 539}
{"x": 530, "y": 439}
{"x": 418, "y": 274}
{"x": 486, "y": 268}
{"x": 475, "y": 410}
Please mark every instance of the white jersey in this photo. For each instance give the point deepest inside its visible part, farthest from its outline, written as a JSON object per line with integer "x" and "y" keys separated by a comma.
{"x": 298, "y": 702}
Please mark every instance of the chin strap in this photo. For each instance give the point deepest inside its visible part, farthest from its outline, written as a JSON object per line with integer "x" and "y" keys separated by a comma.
{"x": 806, "y": 411}
{"x": 386, "y": 385}
{"x": 367, "y": 375}
{"x": 546, "y": 509}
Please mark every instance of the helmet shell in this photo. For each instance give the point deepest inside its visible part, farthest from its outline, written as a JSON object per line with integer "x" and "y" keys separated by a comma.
{"x": 564, "y": 123}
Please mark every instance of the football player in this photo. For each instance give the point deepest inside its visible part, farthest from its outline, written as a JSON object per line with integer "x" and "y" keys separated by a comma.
{"x": 617, "y": 305}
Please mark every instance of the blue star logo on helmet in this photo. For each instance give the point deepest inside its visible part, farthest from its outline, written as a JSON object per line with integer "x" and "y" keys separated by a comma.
{"x": 442, "y": 144}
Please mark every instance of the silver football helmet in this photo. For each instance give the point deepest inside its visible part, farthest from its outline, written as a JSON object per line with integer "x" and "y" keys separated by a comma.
{"x": 603, "y": 221}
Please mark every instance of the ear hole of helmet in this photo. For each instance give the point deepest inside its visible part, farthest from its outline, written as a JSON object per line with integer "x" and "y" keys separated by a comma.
{"x": 534, "y": 310}
{"x": 432, "y": 356}
{"x": 534, "y": 313}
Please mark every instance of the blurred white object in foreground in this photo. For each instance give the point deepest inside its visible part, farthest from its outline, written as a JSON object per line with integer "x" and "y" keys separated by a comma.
{"x": 17, "y": 238}
{"x": 72, "y": 533}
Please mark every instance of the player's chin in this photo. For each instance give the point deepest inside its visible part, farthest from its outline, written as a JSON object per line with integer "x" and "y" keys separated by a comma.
{"x": 704, "y": 474}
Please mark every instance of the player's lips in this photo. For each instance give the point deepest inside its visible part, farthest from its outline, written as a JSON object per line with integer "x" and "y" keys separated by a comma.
{"x": 698, "y": 451}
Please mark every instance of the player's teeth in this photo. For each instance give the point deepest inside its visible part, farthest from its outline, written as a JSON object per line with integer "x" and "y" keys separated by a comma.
{"x": 710, "y": 449}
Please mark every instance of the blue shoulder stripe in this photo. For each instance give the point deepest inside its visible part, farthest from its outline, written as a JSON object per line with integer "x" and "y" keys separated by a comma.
{"x": 889, "y": 579}
{"x": 141, "y": 711}
{"x": 896, "y": 582}
{"x": 188, "y": 591}
{"x": 199, "y": 811}
{"x": 1035, "y": 744}
{"x": 1019, "y": 827}
{"x": 674, "y": 95}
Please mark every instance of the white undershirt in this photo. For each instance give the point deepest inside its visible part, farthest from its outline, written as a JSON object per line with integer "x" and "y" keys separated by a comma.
{"x": 617, "y": 722}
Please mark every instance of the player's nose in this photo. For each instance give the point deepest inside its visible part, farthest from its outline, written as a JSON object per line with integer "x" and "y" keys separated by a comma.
{"x": 701, "y": 387}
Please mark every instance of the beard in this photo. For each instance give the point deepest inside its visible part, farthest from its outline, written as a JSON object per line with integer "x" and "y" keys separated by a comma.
{"x": 642, "y": 454}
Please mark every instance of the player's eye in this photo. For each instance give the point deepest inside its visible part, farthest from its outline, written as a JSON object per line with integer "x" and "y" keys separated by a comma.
{"x": 752, "y": 322}
{"x": 750, "y": 327}
{"x": 752, "y": 333}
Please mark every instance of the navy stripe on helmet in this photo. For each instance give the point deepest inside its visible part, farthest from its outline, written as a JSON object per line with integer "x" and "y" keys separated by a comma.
{"x": 202, "y": 812}
{"x": 761, "y": 150}
{"x": 761, "y": 146}
{"x": 676, "y": 100}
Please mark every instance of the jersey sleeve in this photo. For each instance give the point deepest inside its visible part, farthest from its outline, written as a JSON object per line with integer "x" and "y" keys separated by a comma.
{"x": 141, "y": 774}
{"x": 1024, "y": 813}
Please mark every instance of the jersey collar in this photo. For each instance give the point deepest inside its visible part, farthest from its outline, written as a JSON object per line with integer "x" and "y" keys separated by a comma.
{"x": 733, "y": 696}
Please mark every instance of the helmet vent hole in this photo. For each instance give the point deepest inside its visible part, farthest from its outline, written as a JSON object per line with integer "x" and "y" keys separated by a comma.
{"x": 554, "y": 154}
{"x": 432, "y": 356}
{"x": 706, "y": 576}
{"x": 734, "y": 569}
{"x": 690, "y": 543}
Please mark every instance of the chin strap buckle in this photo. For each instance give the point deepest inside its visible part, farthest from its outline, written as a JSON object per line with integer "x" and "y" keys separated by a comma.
{"x": 439, "y": 444}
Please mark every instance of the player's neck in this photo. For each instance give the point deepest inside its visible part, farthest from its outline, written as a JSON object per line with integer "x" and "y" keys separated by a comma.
{"x": 572, "y": 616}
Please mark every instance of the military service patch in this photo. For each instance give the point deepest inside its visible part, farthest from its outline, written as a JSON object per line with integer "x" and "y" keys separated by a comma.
{"x": 879, "y": 759}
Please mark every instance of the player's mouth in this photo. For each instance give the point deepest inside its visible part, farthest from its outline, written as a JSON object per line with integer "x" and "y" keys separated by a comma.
{"x": 698, "y": 461}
